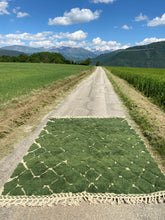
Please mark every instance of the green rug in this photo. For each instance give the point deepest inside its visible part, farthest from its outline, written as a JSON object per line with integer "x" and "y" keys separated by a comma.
{"x": 88, "y": 155}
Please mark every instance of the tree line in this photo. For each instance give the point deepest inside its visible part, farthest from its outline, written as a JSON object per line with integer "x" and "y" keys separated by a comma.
{"x": 42, "y": 57}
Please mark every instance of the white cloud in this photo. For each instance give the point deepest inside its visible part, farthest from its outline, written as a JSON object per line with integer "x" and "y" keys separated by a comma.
{"x": 76, "y": 36}
{"x": 15, "y": 10}
{"x": 3, "y": 7}
{"x": 66, "y": 44}
{"x": 149, "y": 41}
{"x": 48, "y": 44}
{"x": 99, "y": 44}
{"x": 126, "y": 27}
{"x": 97, "y": 41}
{"x": 9, "y": 42}
{"x": 22, "y": 14}
{"x": 29, "y": 37}
{"x": 75, "y": 16}
{"x": 157, "y": 21}
{"x": 48, "y": 39}
{"x": 82, "y": 44}
{"x": 103, "y": 1}
{"x": 141, "y": 17}
{"x": 45, "y": 44}
{"x": 125, "y": 46}
{"x": 44, "y": 39}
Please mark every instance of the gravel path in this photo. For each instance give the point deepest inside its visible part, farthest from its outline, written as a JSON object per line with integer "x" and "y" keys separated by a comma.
{"x": 94, "y": 97}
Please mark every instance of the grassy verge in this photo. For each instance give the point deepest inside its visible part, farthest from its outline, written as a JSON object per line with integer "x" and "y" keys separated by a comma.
{"x": 89, "y": 154}
{"x": 149, "y": 117}
{"x": 20, "y": 116}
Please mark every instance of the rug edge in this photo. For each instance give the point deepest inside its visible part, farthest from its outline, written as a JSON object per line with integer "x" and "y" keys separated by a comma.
{"x": 74, "y": 199}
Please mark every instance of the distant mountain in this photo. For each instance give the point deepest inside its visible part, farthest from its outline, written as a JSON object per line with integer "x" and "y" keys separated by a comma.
{"x": 24, "y": 49}
{"x": 70, "y": 53}
{"x": 104, "y": 58}
{"x": 150, "y": 56}
{"x": 9, "y": 52}
{"x": 74, "y": 53}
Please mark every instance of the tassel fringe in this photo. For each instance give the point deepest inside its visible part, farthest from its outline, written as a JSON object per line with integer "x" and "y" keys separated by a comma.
{"x": 74, "y": 199}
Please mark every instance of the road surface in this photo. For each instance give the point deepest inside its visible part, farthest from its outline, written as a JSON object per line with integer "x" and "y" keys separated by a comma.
{"x": 94, "y": 97}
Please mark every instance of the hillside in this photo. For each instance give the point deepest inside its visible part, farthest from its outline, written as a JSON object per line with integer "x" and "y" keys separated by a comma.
{"x": 104, "y": 58}
{"x": 74, "y": 53}
{"x": 24, "y": 49}
{"x": 9, "y": 52}
{"x": 150, "y": 56}
{"x": 70, "y": 53}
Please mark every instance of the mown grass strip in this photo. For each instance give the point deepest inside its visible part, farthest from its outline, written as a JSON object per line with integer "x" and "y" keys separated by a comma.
{"x": 86, "y": 154}
{"x": 151, "y": 82}
{"x": 150, "y": 124}
{"x": 17, "y": 79}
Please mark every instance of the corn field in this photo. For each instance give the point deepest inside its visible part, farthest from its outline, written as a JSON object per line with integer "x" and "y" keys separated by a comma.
{"x": 151, "y": 82}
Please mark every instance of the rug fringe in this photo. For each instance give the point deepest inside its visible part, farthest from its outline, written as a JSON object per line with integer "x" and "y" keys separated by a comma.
{"x": 74, "y": 199}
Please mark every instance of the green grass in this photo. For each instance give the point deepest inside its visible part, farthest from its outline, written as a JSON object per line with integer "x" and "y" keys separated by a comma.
{"x": 151, "y": 82}
{"x": 17, "y": 79}
{"x": 92, "y": 155}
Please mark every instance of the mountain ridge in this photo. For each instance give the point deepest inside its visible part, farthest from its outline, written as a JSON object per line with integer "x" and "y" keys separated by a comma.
{"x": 70, "y": 53}
{"x": 149, "y": 56}
{"x": 9, "y": 52}
{"x": 105, "y": 56}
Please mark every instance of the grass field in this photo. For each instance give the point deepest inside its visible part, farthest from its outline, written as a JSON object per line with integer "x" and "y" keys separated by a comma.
{"x": 92, "y": 155}
{"x": 17, "y": 79}
{"x": 151, "y": 82}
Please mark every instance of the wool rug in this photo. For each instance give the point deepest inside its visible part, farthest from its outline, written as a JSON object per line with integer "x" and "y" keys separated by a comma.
{"x": 92, "y": 159}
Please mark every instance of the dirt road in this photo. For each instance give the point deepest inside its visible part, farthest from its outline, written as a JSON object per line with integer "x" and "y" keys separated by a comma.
{"x": 94, "y": 97}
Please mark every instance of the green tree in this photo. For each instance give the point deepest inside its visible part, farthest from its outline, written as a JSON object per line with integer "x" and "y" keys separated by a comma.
{"x": 44, "y": 57}
{"x": 98, "y": 63}
{"x": 22, "y": 57}
{"x": 87, "y": 62}
{"x": 5, "y": 58}
{"x": 13, "y": 59}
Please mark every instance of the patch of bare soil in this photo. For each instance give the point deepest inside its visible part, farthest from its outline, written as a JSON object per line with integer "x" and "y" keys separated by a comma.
{"x": 150, "y": 113}
{"x": 19, "y": 117}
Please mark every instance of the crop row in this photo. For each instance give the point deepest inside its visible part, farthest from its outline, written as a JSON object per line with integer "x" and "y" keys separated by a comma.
{"x": 151, "y": 82}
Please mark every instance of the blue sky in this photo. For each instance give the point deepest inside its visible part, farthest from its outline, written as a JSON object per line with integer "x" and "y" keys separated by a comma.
{"x": 92, "y": 24}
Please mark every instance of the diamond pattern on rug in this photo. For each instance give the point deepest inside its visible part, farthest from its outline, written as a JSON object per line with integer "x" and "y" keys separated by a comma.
{"x": 87, "y": 154}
